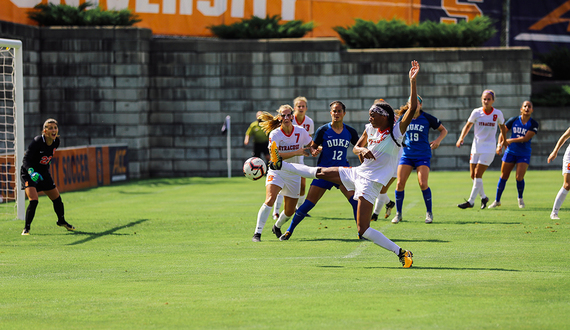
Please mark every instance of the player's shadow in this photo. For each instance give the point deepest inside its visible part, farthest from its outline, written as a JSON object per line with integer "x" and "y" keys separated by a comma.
{"x": 112, "y": 231}
{"x": 359, "y": 240}
{"x": 452, "y": 268}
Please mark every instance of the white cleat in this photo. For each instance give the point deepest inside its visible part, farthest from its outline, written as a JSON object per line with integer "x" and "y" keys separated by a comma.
{"x": 429, "y": 217}
{"x": 521, "y": 203}
{"x": 397, "y": 218}
{"x": 554, "y": 216}
{"x": 494, "y": 204}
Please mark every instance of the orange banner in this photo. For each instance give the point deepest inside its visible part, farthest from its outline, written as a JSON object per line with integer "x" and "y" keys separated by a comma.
{"x": 73, "y": 168}
{"x": 192, "y": 17}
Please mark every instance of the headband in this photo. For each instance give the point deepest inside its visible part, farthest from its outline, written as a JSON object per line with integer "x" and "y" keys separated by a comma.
{"x": 379, "y": 110}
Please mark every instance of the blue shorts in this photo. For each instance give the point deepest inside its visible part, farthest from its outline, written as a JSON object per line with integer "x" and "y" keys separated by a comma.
{"x": 324, "y": 184}
{"x": 512, "y": 158}
{"x": 415, "y": 163}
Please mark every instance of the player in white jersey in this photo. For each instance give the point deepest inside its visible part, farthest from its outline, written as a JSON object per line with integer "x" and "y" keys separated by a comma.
{"x": 486, "y": 119}
{"x": 561, "y": 196}
{"x": 291, "y": 141}
{"x": 300, "y": 119}
{"x": 379, "y": 146}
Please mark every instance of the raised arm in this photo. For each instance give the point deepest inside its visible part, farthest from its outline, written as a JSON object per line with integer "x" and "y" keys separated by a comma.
{"x": 409, "y": 115}
{"x": 558, "y": 145}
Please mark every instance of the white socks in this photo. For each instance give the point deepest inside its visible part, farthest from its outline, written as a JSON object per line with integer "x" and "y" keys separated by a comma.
{"x": 477, "y": 190}
{"x": 277, "y": 205}
{"x": 379, "y": 239}
{"x": 301, "y": 201}
{"x": 300, "y": 169}
{"x": 382, "y": 200}
{"x": 262, "y": 215}
{"x": 560, "y": 197}
{"x": 282, "y": 219}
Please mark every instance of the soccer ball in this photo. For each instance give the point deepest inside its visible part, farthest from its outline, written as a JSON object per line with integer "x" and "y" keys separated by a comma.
{"x": 254, "y": 168}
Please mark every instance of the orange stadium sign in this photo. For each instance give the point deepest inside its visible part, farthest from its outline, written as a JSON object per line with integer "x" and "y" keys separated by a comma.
{"x": 192, "y": 17}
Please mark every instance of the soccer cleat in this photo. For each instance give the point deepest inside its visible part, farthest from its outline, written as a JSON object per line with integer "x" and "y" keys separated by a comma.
{"x": 276, "y": 216}
{"x": 429, "y": 217}
{"x": 494, "y": 204}
{"x": 484, "y": 202}
{"x": 406, "y": 258}
{"x": 389, "y": 206}
{"x": 465, "y": 205}
{"x": 277, "y": 231}
{"x": 275, "y": 160}
{"x": 256, "y": 237}
{"x": 397, "y": 218}
{"x": 26, "y": 232}
{"x": 553, "y": 216}
{"x": 521, "y": 203}
{"x": 285, "y": 237}
{"x": 374, "y": 217}
{"x": 66, "y": 225}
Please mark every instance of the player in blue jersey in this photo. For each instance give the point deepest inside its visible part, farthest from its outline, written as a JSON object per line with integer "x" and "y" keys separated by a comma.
{"x": 331, "y": 143}
{"x": 417, "y": 155}
{"x": 518, "y": 151}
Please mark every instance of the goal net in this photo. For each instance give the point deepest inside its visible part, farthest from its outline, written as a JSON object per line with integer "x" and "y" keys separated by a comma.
{"x": 12, "y": 198}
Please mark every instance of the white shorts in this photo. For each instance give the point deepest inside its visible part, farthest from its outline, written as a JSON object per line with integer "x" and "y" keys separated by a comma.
{"x": 362, "y": 187}
{"x": 566, "y": 161}
{"x": 483, "y": 159}
{"x": 290, "y": 183}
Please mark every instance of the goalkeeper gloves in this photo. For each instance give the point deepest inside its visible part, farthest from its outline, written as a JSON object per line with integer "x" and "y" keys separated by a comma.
{"x": 34, "y": 175}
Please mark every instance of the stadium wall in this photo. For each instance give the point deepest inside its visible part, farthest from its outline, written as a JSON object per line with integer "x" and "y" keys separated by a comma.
{"x": 166, "y": 98}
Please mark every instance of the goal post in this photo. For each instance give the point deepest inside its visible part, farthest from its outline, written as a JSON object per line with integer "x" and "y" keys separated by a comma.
{"x": 12, "y": 124}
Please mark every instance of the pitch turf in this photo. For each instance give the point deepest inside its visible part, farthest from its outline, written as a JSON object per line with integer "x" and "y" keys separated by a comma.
{"x": 177, "y": 253}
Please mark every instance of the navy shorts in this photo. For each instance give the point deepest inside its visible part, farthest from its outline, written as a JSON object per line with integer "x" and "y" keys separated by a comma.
{"x": 324, "y": 184}
{"x": 42, "y": 185}
{"x": 415, "y": 162}
{"x": 512, "y": 158}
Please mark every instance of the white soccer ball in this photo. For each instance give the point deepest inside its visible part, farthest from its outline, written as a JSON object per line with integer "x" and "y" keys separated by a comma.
{"x": 254, "y": 168}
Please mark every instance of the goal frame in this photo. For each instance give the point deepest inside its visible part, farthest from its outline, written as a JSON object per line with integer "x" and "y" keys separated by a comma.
{"x": 19, "y": 121}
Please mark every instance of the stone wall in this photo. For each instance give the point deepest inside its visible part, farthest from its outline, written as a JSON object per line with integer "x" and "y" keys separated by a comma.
{"x": 167, "y": 97}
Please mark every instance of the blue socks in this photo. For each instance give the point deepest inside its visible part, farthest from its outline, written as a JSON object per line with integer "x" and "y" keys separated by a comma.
{"x": 501, "y": 188}
{"x": 300, "y": 214}
{"x": 520, "y": 188}
{"x": 427, "y": 198}
{"x": 399, "y": 200}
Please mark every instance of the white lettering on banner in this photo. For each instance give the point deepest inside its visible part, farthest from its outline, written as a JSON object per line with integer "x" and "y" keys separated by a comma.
{"x": 169, "y": 7}
{"x": 143, "y": 6}
{"x": 217, "y": 9}
{"x": 117, "y": 4}
{"x": 288, "y": 10}
{"x": 186, "y": 7}
{"x": 25, "y": 3}
{"x": 238, "y": 7}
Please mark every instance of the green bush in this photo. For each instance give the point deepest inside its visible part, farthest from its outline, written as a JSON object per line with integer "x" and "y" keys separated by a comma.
{"x": 51, "y": 15}
{"x": 262, "y": 28}
{"x": 556, "y": 96}
{"x": 397, "y": 34}
{"x": 558, "y": 61}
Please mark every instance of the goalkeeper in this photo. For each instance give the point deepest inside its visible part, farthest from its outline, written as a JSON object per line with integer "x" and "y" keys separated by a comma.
{"x": 36, "y": 177}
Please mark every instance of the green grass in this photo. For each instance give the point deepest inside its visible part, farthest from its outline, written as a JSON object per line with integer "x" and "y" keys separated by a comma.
{"x": 177, "y": 253}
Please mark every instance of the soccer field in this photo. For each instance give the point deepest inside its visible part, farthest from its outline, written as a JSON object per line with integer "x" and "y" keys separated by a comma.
{"x": 177, "y": 253}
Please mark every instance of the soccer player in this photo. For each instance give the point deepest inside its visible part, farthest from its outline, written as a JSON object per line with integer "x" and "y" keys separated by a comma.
{"x": 485, "y": 119}
{"x": 260, "y": 138}
{"x": 290, "y": 140}
{"x": 417, "y": 155}
{"x": 517, "y": 153}
{"x": 382, "y": 138}
{"x": 331, "y": 143}
{"x": 301, "y": 119}
{"x": 36, "y": 177}
{"x": 561, "y": 196}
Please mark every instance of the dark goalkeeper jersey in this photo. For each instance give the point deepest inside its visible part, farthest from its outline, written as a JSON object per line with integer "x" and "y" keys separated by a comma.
{"x": 39, "y": 154}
